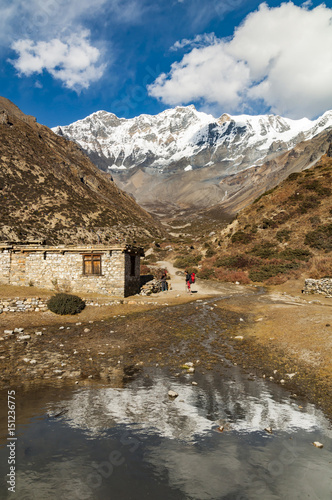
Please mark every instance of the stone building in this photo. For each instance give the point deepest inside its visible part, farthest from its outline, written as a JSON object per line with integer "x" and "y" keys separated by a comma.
{"x": 113, "y": 270}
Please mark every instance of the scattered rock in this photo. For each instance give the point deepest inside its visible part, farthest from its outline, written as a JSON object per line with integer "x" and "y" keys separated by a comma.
{"x": 86, "y": 330}
{"x": 23, "y": 337}
{"x": 268, "y": 429}
{"x": 8, "y": 332}
{"x": 194, "y": 383}
{"x": 239, "y": 337}
{"x": 318, "y": 444}
{"x": 172, "y": 394}
{"x": 221, "y": 428}
{"x": 18, "y": 330}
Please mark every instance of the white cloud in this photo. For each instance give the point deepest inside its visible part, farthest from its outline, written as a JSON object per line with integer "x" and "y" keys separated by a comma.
{"x": 72, "y": 60}
{"x": 199, "y": 41}
{"x": 51, "y": 35}
{"x": 279, "y": 56}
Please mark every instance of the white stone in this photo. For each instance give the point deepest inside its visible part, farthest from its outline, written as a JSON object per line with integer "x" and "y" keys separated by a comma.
{"x": 318, "y": 444}
{"x": 172, "y": 394}
{"x": 239, "y": 337}
{"x": 8, "y": 332}
{"x": 23, "y": 337}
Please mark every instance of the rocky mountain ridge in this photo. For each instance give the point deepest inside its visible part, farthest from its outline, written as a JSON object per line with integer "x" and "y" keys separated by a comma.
{"x": 156, "y": 157}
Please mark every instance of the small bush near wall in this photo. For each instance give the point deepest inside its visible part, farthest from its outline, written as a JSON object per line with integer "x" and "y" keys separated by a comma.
{"x": 63, "y": 303}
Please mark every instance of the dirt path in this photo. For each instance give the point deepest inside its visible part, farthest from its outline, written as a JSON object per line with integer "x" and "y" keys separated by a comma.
{"x": 178, "y": 285}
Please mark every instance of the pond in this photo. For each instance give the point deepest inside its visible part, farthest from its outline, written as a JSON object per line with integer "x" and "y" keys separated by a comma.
{"x": 131, "y": 443}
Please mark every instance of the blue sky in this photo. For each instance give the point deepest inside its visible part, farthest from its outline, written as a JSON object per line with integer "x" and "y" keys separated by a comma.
{"x": 61, "y": 61}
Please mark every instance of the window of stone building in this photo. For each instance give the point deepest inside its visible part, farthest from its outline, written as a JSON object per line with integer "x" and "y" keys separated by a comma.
{"x": 132, "y": 265}
{"x": 92, "y": 264}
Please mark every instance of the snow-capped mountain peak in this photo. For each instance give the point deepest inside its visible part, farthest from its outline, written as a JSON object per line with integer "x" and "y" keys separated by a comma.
{"x": 183, "y": 140}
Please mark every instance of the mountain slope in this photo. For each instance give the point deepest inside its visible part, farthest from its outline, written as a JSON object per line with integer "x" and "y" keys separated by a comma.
{"x": 158, "y": 157}
{"x": 49, "y": 189}
{"x": 282, "y": 233}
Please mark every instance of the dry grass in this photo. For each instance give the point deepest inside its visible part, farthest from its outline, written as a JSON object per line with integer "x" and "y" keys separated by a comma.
{"x": 320, "y": 267}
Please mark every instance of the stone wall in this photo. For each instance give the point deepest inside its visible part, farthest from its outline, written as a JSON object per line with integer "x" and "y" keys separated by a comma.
{"x": 323, "y": 286}
{"x": 64, "y": 271}
{"x": 5, "y": 260}
{"x": 31, "y": 304}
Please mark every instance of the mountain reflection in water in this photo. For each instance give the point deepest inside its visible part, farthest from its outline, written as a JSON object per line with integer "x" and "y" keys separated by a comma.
{"x": 100, "y": 443}
{"x": 247, "y": 406}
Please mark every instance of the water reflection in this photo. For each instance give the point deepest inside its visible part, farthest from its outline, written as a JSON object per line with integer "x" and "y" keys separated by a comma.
{"x": 245, "y": 406}
{"x": 135, "y": 443}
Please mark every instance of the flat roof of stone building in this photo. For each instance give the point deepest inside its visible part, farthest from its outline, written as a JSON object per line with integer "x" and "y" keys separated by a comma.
{"x": 39, "y": 247}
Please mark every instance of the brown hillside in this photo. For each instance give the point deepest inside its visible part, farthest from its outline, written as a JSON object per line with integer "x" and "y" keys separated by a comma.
{"x": 49, "y": 189}
{"x": 285, "y": 231}
{"x": 245, "y": 186}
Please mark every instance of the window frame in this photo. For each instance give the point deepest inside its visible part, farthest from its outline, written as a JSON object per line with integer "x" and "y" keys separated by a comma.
{"x": 94, "y": 258}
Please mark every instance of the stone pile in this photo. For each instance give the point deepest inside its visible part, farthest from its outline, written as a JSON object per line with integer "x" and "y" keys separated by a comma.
{"x": 323, "y": 286}
{"x": 153, "y": 286}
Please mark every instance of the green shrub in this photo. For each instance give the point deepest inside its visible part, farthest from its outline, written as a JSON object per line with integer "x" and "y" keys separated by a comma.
{"x": 295, "y": 254}
{"x": 242, "y": 237}
{"x": 283, "y": 235}
{"x": 267, "y": 271}
{"x": 205, "y": 273}
{"x": 265, "y": 250}
{"x": 308, "y": 204}
{"x": 318, "y": 188}
{"x": 293, "y": 176}
{"x": 63, "y": 303}
{"x": 184, "y": 261}
{"x": 236, "y": 262}
{"x": 320, "y": 238}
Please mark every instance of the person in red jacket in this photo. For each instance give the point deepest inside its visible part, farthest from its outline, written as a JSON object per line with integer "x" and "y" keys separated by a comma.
{"x": 188, "y": 280}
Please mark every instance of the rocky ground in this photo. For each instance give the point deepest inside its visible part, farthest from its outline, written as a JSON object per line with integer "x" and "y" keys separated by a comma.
{"x": 281, "y": 335}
